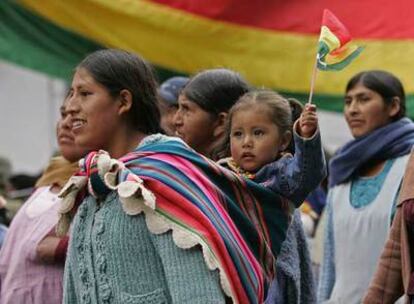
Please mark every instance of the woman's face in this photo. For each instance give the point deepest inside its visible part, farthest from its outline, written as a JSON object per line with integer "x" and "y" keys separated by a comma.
{"x": 167, "y": 112}
{"x": 365, "y": 110}
{"x": 65, "y": 137}
{"x": 95, "y": 114}
{"x": 195, "y": 126}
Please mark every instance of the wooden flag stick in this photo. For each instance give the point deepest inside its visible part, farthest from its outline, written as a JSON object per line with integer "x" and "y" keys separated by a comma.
{"x": 313, "y": 79}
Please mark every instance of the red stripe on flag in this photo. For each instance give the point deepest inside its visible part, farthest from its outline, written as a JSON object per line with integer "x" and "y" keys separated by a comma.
{"x": 336, "y": 27}
{"x": 393, "y": 19}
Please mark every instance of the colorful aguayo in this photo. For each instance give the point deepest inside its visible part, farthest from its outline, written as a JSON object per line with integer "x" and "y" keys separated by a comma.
{"x": 239, "y": 225}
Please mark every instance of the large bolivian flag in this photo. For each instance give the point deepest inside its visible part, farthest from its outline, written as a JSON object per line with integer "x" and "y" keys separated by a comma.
{"x": 271, "y": 42}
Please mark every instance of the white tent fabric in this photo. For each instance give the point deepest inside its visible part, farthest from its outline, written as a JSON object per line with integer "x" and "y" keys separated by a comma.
{"x": 334, "y": 130}
{"x": 29, "y": 108}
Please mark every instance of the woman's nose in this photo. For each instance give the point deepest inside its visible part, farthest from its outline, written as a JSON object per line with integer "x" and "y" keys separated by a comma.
{"x": 72, "y": 104}
{"x": 177, "y": 119}
{"x": 352, "y": 107}
{"x": 66, "y": 122}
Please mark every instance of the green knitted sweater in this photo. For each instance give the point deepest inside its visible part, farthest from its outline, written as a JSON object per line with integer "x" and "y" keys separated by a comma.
{"x": 113, "y": 258}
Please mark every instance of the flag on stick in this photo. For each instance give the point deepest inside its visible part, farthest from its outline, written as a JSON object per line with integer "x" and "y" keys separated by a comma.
{"x": 334, "y": 52}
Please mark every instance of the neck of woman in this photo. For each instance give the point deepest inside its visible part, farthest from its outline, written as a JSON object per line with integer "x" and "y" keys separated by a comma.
{"x": 215, "y": 150}
{"x": 372, "y": 168}
{"x": 125, "y": 142}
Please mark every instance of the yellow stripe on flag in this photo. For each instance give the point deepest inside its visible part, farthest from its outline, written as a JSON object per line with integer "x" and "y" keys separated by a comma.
{"x": 329, "y": 38}
{"x": 188, "y": 43}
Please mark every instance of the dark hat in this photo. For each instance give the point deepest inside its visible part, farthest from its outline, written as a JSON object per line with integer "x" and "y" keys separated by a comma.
{"x": 171, "y": 88}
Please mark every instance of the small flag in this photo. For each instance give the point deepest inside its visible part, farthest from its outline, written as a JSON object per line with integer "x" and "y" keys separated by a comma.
{"x": 334, "y": 52}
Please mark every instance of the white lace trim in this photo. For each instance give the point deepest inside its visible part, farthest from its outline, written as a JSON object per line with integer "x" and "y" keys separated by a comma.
{"x": 136, "y": 198}
{"x": 157, "y": 224}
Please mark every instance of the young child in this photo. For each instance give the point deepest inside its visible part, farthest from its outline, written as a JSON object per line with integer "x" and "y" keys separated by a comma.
{"x": 260, "y": 133}
{"x": 260, "y": 129}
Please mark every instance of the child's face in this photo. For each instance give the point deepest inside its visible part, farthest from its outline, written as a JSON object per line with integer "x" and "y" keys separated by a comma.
{"x": 254, "y": 139}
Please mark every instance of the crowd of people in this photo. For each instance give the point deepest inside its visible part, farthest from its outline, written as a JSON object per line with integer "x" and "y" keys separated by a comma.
{"x": 209, "y": 190}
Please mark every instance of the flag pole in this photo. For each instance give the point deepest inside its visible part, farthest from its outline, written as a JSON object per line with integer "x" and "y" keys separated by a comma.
{"x": 313, "y": 79}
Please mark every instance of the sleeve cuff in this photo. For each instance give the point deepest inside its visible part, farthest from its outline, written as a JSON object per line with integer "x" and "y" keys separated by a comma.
{"x": 296, "y": 133}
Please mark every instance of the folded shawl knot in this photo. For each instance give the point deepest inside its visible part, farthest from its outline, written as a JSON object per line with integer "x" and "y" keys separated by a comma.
{"x": 101, "y": 174}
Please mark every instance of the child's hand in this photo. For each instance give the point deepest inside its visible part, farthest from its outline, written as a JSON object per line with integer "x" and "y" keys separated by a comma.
{"x": 308, "y": 121}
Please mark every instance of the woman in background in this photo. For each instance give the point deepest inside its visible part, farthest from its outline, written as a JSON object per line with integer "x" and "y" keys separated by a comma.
{"x": 364, "y": 180}
{"x": 203, "y": 106}
{"x": 32, "y": 256}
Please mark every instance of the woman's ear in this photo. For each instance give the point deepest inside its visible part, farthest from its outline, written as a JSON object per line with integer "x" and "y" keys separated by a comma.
{"x": 220, "y": 123}
{"x": 125, "y": 101}
{"x": 394, "y": 107}
{"x": 285, "y": 141}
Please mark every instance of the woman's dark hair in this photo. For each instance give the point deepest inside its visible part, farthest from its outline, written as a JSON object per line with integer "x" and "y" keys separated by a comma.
{"x": 215, "y": 90}
{"x": 119, "y": 70}
{"x": 385, "y": 84}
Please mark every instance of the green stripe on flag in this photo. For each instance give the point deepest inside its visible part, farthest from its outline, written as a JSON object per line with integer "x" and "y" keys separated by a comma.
{"x": 33, "y": 42}
{"x": 323, "y": 49}
{"x": 341, "y": 64}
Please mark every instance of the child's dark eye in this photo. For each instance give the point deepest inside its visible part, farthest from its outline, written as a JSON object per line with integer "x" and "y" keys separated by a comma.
{"x": 237, "y": 134}
{"x": 258, "y": 132}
